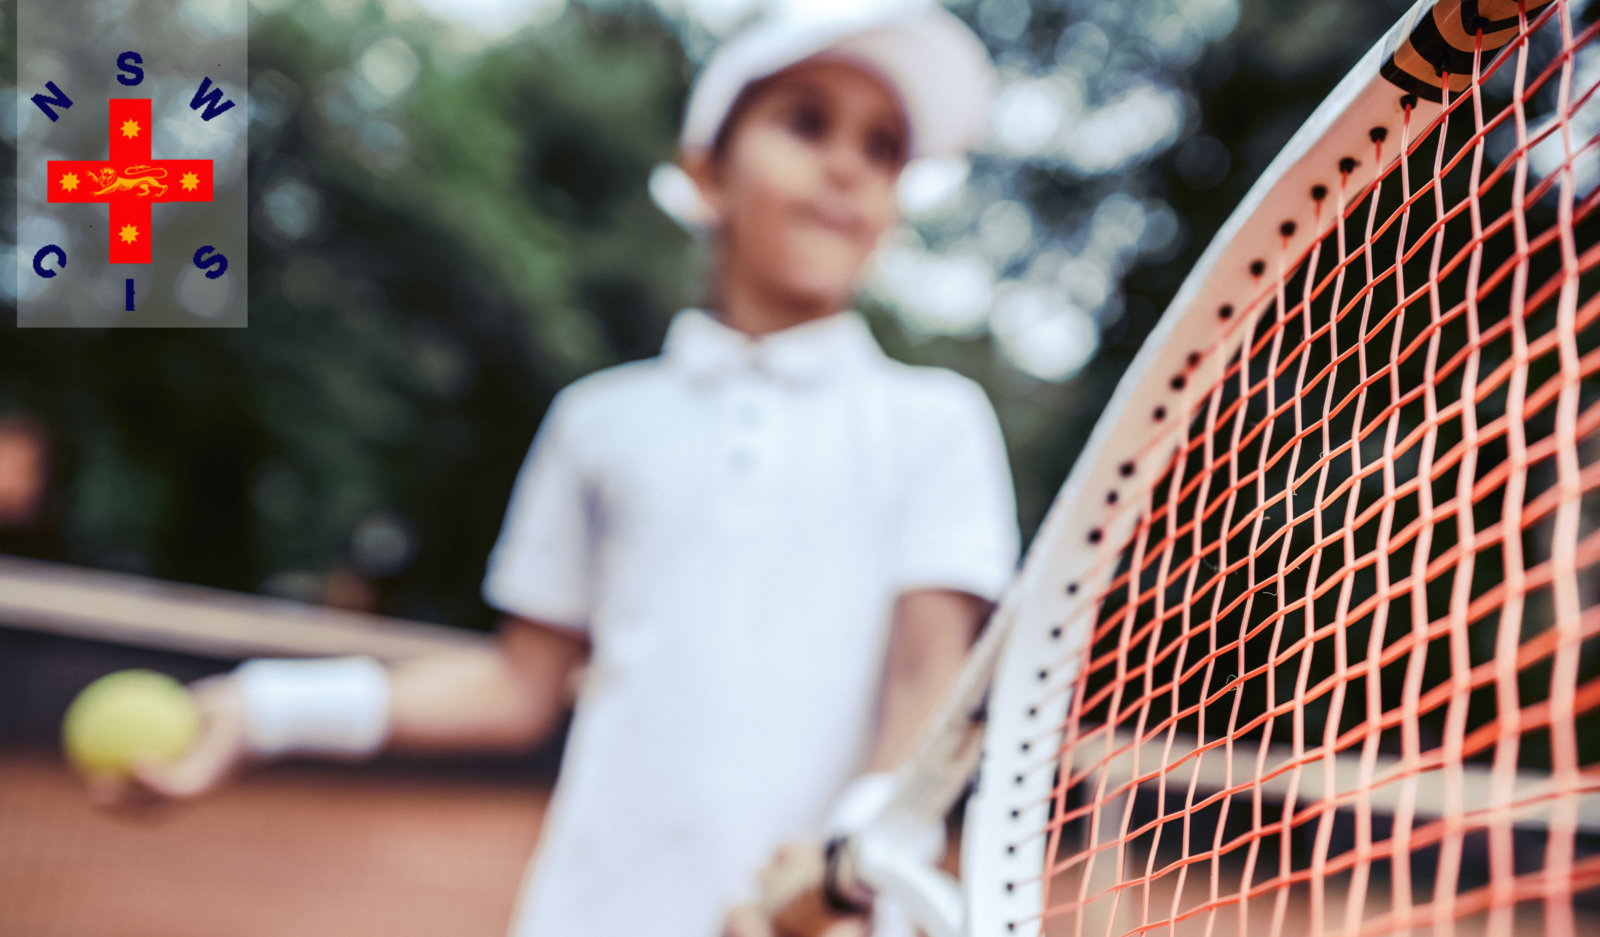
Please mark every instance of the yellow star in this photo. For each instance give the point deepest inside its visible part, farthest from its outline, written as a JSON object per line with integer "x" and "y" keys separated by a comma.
{"x": 190, "y": 182}
{"x": 69, "y": 182}
{"x": 130, "y": 128}
{"x": 129, "y": 234}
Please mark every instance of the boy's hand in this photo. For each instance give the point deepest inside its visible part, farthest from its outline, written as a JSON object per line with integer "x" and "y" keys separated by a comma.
{"x": 218, "y": 750}
{"x": 792, "y": 904}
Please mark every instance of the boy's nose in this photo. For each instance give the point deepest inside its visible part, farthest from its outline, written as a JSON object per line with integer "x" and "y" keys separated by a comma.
{"x": 844, "y": 162}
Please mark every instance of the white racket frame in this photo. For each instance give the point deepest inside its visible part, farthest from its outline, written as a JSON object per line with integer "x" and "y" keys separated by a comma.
{"x": 1035, "y": 641}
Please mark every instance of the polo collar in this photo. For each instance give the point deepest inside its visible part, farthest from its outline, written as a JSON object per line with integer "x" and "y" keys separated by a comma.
{"x": 706, "y": 350}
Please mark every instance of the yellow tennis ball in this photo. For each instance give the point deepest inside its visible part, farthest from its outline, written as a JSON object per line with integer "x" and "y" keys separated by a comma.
{"x": 128, "y": 716}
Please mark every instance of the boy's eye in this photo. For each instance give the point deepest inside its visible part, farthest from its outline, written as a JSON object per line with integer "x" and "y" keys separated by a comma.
{"x": 885, "y": 148}
{"x": 807, "y": 122}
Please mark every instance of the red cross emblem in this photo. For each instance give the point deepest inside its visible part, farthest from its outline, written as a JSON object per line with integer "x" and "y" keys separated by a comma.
{"x": 130, "y": 181}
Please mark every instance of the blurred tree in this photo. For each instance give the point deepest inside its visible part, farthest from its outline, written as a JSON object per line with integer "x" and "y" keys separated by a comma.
{"x": 439, "y": 242}
{"x": 442, "y": 237}
{"x": 1116, "y": 214}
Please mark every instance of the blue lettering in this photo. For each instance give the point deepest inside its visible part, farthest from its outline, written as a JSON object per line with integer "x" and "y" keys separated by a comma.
{"x": 209, "y": 100}
{"x": 60, "y": 100}
{"x": 209, "y": 256}
{"x": 46, "y": 251}
{"x": 129, "y": 62}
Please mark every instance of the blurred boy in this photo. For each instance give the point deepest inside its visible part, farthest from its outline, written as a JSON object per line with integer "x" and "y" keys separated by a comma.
{"x": 764, "y": 553}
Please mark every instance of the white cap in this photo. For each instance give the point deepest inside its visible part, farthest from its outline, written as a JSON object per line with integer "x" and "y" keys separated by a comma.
{"x": 939, "y": 68}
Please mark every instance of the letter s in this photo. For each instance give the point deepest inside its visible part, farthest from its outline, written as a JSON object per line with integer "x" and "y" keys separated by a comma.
{"x": 209, "y": 256}
{"x": 129, "y": 62}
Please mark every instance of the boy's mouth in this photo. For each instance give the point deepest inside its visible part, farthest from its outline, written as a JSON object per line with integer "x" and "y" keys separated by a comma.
{"x": 836, "y": 218}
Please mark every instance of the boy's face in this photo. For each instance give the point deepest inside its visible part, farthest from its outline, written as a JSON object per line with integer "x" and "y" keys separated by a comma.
{"x": 805, "y": 187}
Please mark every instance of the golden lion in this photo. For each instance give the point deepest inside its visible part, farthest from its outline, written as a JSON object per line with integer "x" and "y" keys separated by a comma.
{"x": 133, "y": 178}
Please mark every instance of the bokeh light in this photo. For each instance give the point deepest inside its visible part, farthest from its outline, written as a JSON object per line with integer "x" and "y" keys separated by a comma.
{"x": 454, "y": 214}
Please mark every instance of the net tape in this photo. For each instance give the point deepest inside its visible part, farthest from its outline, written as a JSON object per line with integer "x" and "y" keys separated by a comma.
{"x": 1346, "y": 675}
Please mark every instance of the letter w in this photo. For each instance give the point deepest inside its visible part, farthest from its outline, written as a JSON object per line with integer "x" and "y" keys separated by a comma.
{"x": 60, "y": 100}
{"x": 209, "y": 100}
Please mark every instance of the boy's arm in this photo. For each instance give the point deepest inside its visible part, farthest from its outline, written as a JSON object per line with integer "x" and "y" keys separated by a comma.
{"x": 506, "y": 699}
{"x": 933, "y": 628}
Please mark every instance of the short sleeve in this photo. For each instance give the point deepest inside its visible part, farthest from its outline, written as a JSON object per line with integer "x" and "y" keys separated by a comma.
{"x": 541, "y": 565}
{"x": 958, "y": 525}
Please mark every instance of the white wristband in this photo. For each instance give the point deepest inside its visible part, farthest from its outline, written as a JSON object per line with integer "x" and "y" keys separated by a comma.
{"x": 857, "y": 806}
{"x": 864, "y": 798}
{"x": 338, "y": 706}
{"x": 860, "y": 802}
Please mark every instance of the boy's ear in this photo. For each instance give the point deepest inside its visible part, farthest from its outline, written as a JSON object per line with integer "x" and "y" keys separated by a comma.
{"x": 705, "y": 173}
{"x": 680, "y": 196}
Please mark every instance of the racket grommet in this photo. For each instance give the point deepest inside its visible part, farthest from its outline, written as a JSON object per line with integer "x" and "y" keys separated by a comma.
{"x": 1348, "y": 165}
{"x": 1407, "y": 102}
{"x": 1033, "y": 711}
{"x": 1378, "y": 134}
{"x": 1095, "y": 535}
{"x": 1111, "y": 497}
{"x": 1044, "y": 675}
{"x": 1126, "y": 469}
{"x": 1258, "y": 267}
{"x": 1020, "y": 779}
{"x": 1016, "y": 814}
{"x": 1287, "y": 229}
{"x": 1319, "y": 192}
{"x": 1011, "y": 850}
{"x": 1055, "y": 633}
{"x": 1178, "y": 380}
{"x": 1160, "y": 413}
{"x": 1072, "y": 589}
{"x": 1193, "y": 359}
{"x": 1011, "y": 887}
{"x": 1226, "y": 312}
{"x": 1027, "y": 746}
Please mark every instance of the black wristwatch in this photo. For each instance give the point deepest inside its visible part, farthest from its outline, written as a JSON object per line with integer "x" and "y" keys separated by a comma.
{"x": 837, "y": 899}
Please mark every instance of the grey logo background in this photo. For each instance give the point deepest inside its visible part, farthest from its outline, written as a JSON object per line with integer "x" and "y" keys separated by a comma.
{"x": 77, "y": 45}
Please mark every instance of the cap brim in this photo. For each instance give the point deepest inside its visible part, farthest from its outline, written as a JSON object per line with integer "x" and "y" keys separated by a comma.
{"x": 939, "y": 69}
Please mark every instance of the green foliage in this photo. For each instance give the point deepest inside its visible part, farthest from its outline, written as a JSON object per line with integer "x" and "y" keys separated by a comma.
{"x": 402, "y": 350}
{"x": 428, "y": 269}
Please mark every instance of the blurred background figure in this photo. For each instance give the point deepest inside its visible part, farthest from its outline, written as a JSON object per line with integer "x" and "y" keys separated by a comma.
{"x": 24, "y": 471}
{"x": 28, "y": 499}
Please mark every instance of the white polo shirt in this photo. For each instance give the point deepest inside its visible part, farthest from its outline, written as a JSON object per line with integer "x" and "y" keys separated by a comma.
{"x": 731, "y": 523}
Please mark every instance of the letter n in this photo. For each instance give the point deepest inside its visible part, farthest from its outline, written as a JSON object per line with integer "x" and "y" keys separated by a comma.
{"x": 60, "y": 100}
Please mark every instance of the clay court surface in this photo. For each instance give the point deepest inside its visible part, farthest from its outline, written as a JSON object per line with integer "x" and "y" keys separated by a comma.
{"x": 326, "y": 851}
{"x": 302, "y": 850}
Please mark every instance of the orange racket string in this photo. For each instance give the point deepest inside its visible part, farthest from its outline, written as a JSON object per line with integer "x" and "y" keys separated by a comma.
{"x": 1343, "y": 668}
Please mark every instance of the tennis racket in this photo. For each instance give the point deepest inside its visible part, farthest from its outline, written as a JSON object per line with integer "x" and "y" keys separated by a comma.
{"x": 1310, "y": 640}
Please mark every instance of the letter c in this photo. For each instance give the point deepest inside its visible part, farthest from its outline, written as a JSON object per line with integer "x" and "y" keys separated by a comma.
{"x": 45, "y": 251}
